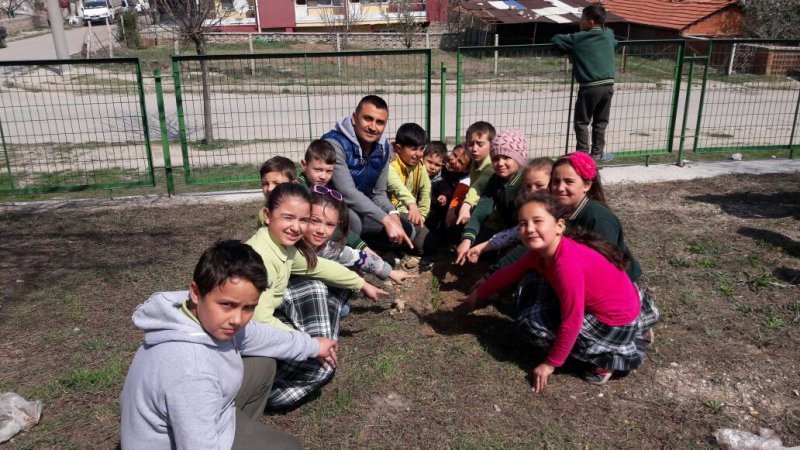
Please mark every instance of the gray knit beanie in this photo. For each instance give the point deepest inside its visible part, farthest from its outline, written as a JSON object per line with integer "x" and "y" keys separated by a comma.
{"x": 512, "y": 143}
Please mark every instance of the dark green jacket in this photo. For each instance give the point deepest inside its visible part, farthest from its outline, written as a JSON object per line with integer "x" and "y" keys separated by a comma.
{"x": 498, "y": 195}
{"x": 592, "y": 55}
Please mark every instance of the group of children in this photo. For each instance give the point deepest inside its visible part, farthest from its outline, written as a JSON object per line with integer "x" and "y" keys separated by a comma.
{"x": 258, "y": 328}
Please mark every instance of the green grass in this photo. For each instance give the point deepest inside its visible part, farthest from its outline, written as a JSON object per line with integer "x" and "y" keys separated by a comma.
{"x": 436, "y": 294}
{"x": 91, "y": 380}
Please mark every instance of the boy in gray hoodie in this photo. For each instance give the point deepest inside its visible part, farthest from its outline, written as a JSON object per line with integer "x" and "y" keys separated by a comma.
{"x": 202, "y": 377}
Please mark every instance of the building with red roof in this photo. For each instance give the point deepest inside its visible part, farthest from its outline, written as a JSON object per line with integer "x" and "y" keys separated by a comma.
{"x": 671, "y": 19}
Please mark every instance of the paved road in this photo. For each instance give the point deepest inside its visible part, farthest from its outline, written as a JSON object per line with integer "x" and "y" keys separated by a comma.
{"x": 42, "y": 47}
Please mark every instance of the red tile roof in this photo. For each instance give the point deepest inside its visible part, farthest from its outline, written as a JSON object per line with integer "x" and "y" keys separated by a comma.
{"x": 672, "y": 14}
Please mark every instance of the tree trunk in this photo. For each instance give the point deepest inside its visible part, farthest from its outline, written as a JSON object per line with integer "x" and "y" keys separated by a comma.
{"x": 208, "y": 127}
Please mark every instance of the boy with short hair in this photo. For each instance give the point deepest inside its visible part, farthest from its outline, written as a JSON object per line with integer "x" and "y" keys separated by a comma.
{"x": 276, "y": 170}
{"x": 317, "y": 164}
{"x": 592, "y": 53}
{"x": 202, "y": 377}
{"x": 408, "y": 185}
{"x": 434, "y": 157}
{"x": 495, "y": 210}
{"x": 317, "y": 169}
{"x": 449, "y": 190}
{"x": 479, "y": 139}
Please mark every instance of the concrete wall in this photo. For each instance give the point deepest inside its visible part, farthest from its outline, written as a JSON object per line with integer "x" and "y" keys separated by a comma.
{"x": 358, "y": 40}
{"x": 23, "y": 23}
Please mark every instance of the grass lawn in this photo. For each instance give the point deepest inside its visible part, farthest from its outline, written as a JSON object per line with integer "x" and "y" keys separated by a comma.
{"x": 722, "y": 254}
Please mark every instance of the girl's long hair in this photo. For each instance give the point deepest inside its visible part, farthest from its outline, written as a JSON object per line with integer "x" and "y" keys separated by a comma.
{"x": 596, "y": 192}
{"x": 343, "y": 227}
{"x": 577, "y": 234}
{"x": 278, "y": 195}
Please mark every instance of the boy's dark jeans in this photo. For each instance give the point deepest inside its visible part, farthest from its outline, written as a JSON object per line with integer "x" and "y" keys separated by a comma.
{"x": 593, "y": 106}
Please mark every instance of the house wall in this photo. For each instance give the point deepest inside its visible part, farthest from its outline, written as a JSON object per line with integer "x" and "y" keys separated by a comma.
{"x": 727, "y": 22}
{"x": 276, "y": 14}
{"x": 24, "y": 23}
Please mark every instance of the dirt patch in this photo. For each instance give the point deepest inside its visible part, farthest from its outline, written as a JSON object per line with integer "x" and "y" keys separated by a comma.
{"x": 722, "y": 254}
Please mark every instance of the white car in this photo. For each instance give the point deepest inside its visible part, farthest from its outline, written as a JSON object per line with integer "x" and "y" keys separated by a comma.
{"x": 97, "y": 11}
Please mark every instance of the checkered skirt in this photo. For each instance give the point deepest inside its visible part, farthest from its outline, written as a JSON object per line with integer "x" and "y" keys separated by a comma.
{"x": 307, "y": 306}
{"x": 605, "y": 346}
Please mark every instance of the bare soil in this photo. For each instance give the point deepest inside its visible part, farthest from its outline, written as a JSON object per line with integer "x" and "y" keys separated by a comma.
{"x": 722, "y": 254}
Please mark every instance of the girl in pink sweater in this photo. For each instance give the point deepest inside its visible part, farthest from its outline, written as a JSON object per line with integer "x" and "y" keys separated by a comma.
{"x": 596, "y": 316}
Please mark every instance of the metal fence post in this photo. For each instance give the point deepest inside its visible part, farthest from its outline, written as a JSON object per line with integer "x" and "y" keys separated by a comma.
{"x": 791, "y": 136}
{"x": 428, "y": 68}
{"x": 702, "y": 97}
{"x": 5, "y": 155}
{"x": 308, "y": 93}
{"x": 162, "y": 121}
{"x": 459, "y": 81}
{"x": 145, "y": 124}
{"x": 676, "y": 90}
{"x": 176, "y": 78}
{"x": 686, "y": 110}
{"x": 443, "y": 104}
{"x": 569, "y": 113}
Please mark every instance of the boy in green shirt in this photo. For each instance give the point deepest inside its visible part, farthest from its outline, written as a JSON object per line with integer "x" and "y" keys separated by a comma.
{"x": 591, "y": 51}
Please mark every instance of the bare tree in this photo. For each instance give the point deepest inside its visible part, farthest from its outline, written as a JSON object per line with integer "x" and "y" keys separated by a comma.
{"x": 192, "y": 20}
{"x": 772, "y": 19}
{"x": 402, "y": 16}
{"x": 340, "y": 18}
{"x": 10, "y": 7}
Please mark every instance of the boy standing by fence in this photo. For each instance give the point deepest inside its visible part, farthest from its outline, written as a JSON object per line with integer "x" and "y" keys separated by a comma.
{"x": 592, "y": 53}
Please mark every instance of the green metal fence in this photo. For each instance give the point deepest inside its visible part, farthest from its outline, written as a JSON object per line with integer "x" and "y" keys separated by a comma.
{"x": 236, "y": 111}
{"x": 530, "y": 87}
{"x": 749, "y": 96}
{"x": 72, "y": 125}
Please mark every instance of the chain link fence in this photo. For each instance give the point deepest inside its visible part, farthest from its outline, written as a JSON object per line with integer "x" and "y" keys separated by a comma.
{"x": 236, "y": 111}
{"x": 530, "y": 87}
{"x": 72, "y": 125}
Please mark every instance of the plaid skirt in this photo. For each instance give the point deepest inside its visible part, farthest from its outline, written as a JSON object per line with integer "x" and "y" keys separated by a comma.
{"x": 605, "y": 346}
{"x": 307, "y": 306}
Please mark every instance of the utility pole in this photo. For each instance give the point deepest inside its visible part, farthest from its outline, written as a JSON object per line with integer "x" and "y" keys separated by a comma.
{"x": 57, "y": 26}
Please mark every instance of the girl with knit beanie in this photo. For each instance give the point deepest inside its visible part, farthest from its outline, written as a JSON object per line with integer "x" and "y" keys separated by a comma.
{"x": 509, "y": 153}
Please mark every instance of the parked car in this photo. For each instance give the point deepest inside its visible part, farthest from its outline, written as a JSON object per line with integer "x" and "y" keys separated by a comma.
{"x": 97, "y": 11}
{"x": 139, "y": 6}
{"x": 3, "y": 35}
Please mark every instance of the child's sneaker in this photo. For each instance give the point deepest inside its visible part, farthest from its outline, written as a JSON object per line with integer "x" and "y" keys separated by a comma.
{"x": 602, "y": 157}
{"x": 345, "y": 311}
{"x": 597, "y": 376}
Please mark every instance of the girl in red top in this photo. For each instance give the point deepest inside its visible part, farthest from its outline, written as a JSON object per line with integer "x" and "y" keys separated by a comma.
{"x": 596, "y": 315}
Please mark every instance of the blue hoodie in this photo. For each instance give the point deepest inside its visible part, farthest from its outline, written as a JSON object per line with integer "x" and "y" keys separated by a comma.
{"x": 182, "y": 382}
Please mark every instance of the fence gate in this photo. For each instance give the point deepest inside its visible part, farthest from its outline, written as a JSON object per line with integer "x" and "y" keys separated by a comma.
{"x": 741, "y": 95}
{"x": 72, "y": 125}
{"x": 530, "y": 87}
{"x": 236, "y": 111}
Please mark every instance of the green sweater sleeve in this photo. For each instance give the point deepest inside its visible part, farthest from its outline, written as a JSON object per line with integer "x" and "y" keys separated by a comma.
{"x": 399, "y": 191}
{"x": 564, "y": 42}
{"x": 424, "y": 201}
{"x": 330, "y": 272}
{"x": 265, "y": 312}
{"x": 354, "y": 241}
{"x": 476, "y": 188}
{"x": 481, "y": 212}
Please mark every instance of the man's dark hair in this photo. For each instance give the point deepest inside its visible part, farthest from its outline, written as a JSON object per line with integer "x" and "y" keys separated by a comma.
{"x": 373, "y": 100}
{"x": 229, "y": 259}
{"x": 320, "y": 150}
{"x": 411, "y": 134}
{"x": 479, "y": 128}
{"x": 280, "y": 164}
{"x": 436, "y": 148}
{"x": 595, "y": 13}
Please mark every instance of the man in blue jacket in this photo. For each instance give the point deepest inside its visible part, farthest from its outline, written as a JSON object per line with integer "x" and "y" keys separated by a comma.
{"x": 362, "y": 168}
